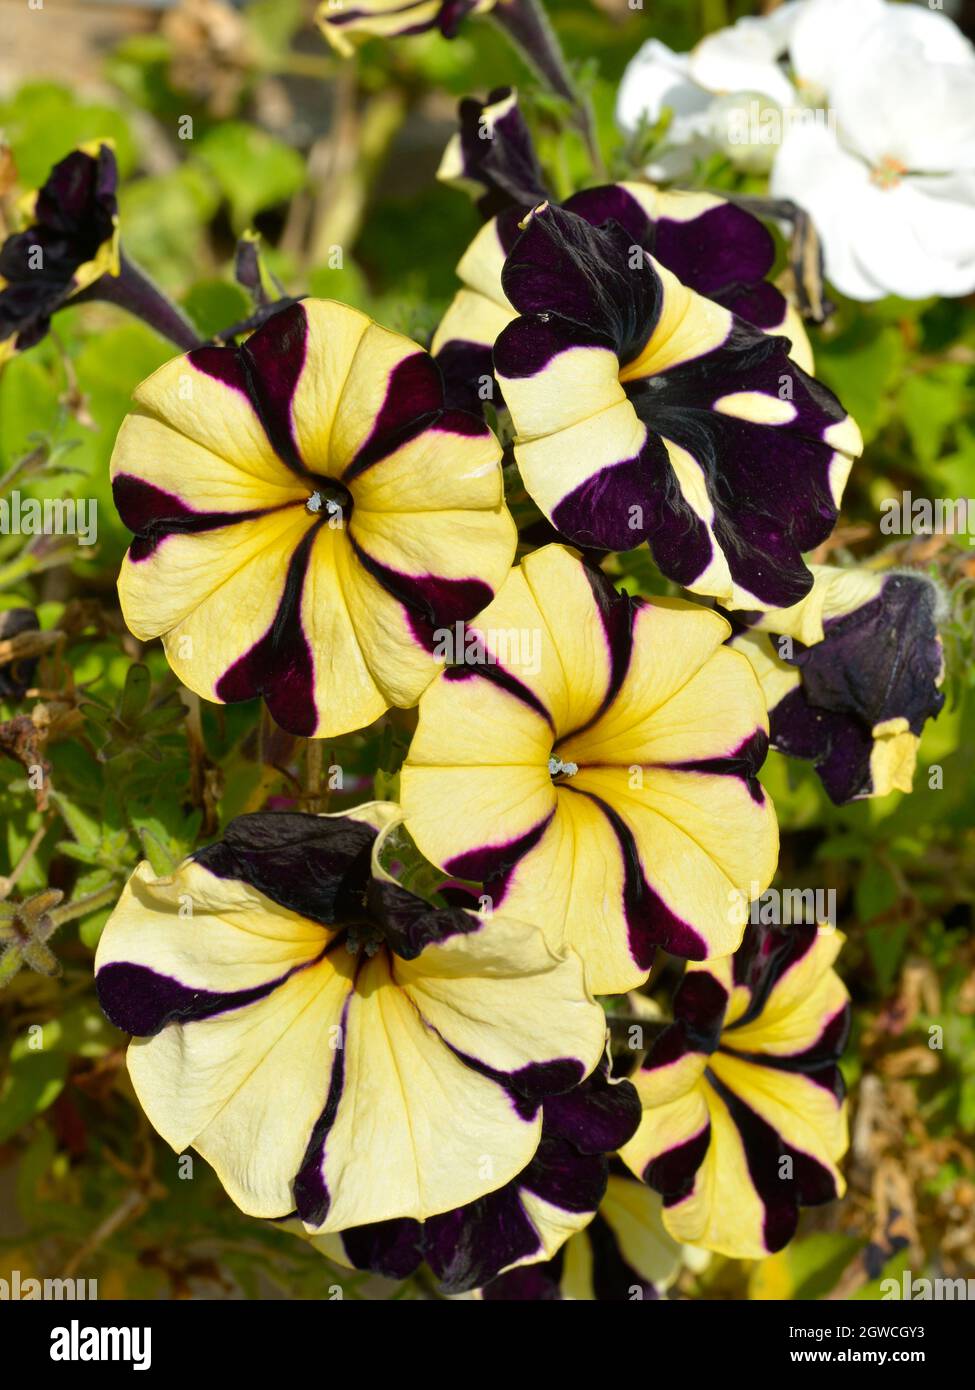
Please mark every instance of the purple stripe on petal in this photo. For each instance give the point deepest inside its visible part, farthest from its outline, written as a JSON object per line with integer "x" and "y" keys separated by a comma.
{"x": 527, "y": 346}
{"x": 763, "y": 305}
{"x": 503, "y": 679}
{"x": 280, "y": 666}
{"x": 414, "y": 399}
{"x": 273, "y": 360}
{"x": 699, "y": 1006}
{"x": 506, "y": 165}
{"x": 672, "y": 1173}
{"x": 650, "y": 922}
{"x": 588, "y": 274}
{"x": 409, "y": 923}
{"x": 817, "y": 1061}
{"x": 597, "y": 1117}
{"x": 614, "y": 1279}
{"x": 612, "y": 203}
{"x": 391, "y": 1248}
{"x": 621, "y": 506}
{"x": 765, "y": 956}
{"x": 617, "y": 613}
{"x": 467, "y": 1247}
{"x": 492, "y": 864}
{"x": 431, "y": 601}
{"x": 154, "y": 514}
{"x": 530, "y": 1085}
{"x": 672, "y": 1045}
{"x": 722, "y": 248}
{"x": 810, "y": 1185}
{"x": 465, "y": 365}
{"x": 537, "y": 1283}
{"x": 311, "y": 1194}
{"x": 743, "y": 762}
{"x": 141, "y": 1001}
{"x": 565, "y": 1177}
{"x": 266, "y": 370}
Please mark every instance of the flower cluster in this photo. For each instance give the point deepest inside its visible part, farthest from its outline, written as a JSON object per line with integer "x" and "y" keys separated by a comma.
{"x": 319, "y": 521}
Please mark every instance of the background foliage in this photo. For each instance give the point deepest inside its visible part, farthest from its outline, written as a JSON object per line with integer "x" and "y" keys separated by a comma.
{"x": 334, "y": 164}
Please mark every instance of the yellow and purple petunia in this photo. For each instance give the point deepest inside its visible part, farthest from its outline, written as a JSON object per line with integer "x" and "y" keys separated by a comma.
{"x": 595, "y": 767}
{"x": 336, "y": 1047}
{"x": 307, "y": 514}
{"x": 528, "y": 1219}
{"x": 744, "y": 1117}
{"x": 851, "y": 675}
{"x": 711, "y": 245}
{"x": 338, "y": 19}
{"x": 623, "y": 1255}
{"x": 645, "y": 411}
{"x": 70, "y": 241}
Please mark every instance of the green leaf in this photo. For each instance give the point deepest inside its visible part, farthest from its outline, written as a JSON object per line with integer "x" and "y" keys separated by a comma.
{"x": 886, "y": 946}
{"x": 33, "y": 1082}
{"x": 44, "y": 121}
{"x": 135, "y": 694}
{"x": 253, "y": 170}
{"x": 930, "y": 404}
{"x": 214, "y": 305}
{"x": 876, "y": 891}
{"x": 861, "y": 366}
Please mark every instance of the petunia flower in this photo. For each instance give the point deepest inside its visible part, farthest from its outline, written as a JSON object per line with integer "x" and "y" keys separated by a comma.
{"x": 744, "y": 1119}
{"x": 711, "y": 245}
{"x": 597, "y": 770}
{"x": 330, "y": 1043}
{"x": 645, "y": 412}
{"x": 307, "y": 515}
{"x": 851, "y": 676}
{"x": 392, "y": 18}
{"x": 623, "y": 1255}
{"x": 492, "y": 156}
{"x": 844, "y": 94}
{"x": 69, "y": 242}
{"x": 528, "y": 1219}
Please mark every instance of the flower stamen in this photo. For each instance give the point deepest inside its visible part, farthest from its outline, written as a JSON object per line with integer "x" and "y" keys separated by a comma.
{"x": 557, "y": 768}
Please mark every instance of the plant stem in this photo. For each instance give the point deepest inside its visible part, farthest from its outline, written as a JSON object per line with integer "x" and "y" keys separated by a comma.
{"x": 7, "y": 883}
{"x": 133, "y": 290}
{"x": 528, "y": 28}
{"x": 81, "y": 907}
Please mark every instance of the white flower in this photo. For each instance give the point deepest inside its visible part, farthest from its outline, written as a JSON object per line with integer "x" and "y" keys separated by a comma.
{"x": 742, "y": 59}
{"x": 891, "y": 186}
{"x": 866, "y": 113}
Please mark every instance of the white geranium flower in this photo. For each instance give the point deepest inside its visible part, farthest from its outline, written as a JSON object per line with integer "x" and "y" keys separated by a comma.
{"x": 884, "y": 164}
{"x": 890, "y": 184}
{"x": 745, "y": 59}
